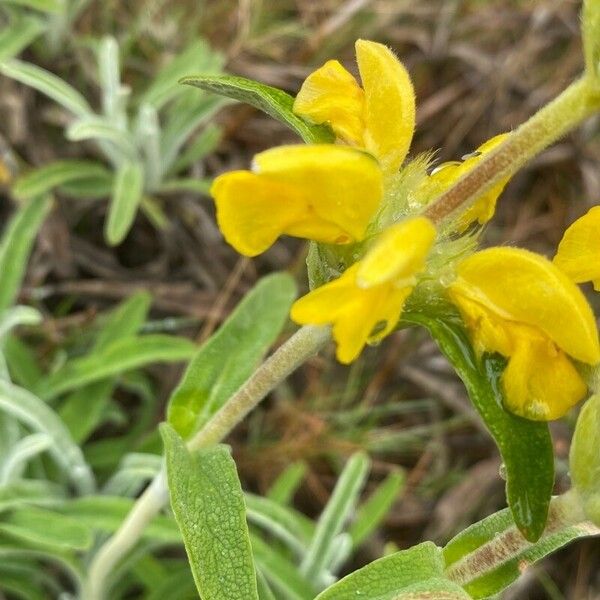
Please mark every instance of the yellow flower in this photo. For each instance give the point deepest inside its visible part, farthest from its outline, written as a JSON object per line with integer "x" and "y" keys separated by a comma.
{"x": 365, "y": 303}
{"x": 325, "y": 193}
{"x": 447, "y": 174}
{"x": 579, "y": 250}
{"x": 518, "y": 304}
{"x": 379, "y": 117}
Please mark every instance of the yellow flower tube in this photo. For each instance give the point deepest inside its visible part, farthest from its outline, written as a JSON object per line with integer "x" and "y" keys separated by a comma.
{"x": 365, "y": 303}
{"x": 379, "y": 117}
{"x": 325, "y": 193}
{"x": 518, "y": 304}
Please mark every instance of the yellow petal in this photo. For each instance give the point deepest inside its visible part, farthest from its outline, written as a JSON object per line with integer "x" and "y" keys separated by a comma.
{"x": 389, "y": 312}
{"x": 352, "y": 328}
{"x": 252, "y": 212}
{"x": 489, "y": 333}
{"x": 358, "y": 316}
{"x": 399, "y": 253}
{"x": 341, "y": 185}
{"x": 448, "y": 174}
{"x": 521, "y": 286}
{"x": 540, "y": 382}
{"x": 579, "y": 250}
{"x": 332, "y": 95}
{"x": 323, "y": 304}
{"x": 389, "y": 104}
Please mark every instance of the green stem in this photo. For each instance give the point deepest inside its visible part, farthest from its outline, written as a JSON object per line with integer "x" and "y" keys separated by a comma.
{"x": 287, "y": 358}
{"x": 575, "y": 104}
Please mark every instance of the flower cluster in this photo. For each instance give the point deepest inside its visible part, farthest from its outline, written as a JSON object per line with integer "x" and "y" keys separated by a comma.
{"x": 513, "y": 302}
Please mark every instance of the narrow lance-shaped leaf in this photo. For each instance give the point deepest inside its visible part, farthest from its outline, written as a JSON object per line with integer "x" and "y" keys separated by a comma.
{"x": 525, "y": 446}
{"x": 127, "y": 195}
{"x": 114, "y": 359}
{"x": 208, "y": 503}
{"x": 488, "y": 556}
{"x": 281, "y": 573}
{"x": 338, "y": 509}
{"x": 375, "y": 508}
{"x": 416, "y": 573}
{"x": 229, "y": 357}
{"x": 197, "y": 56}
{"x": 34, "y": 413}
{"x": 46, "y": 527}
{"x": 284, "y": 487}
{"x": 273, "y": 101}
{"x": 43, "y": 180}
{"x": 47, "y": 83}
{"x": 20, "y": 32}
{"x": 47, "y": 6}
{"x": 16, "y": 245}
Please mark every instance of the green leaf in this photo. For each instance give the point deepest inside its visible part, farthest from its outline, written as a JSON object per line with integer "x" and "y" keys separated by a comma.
{"x": 126, "y": 197}
{"x": 590, "y": 29}
{"x": 204, "y": 143}
{"x": 281, "y": 573}
{"x": 89, "y": 188}
{"x": 488, "y": 556}
{"x": 15, "y": 317}
{"x": 47, "y": 83}
{"x": 333, "y": 518}
{"x": 46, "y": 527}
{"x": 208, "y": 504}
{"x": 375, "y": 509}
{"x": 28, "y": 491}
{"x": 16, "y": 245}
{"x": 295, "y": 522}
{"x": 183, "y": 120}
{"x": 14, "y": 463}
{"x": 230, "y": 356}
{"x": 287, "y": 483}
{"x": 107, "y": 513}
{"x": 22, "y": 363}
{"x": 84, "y": 409}
{"x": 386, "y": 578}
{"x": 125, "y": 320}
{"x": 100, "y": 129}
{"x": 21, "y": 31}
{"x": 584, "y": 457}
{"x": 115, "y": 359}
{"x": 273, "y": 101}
{"x": 43, "y": 180}
{"x": 198, "y": 186}
{"x": 31, "y": 411}
{"x": 198, "y": 56}
{"x": 525, "y": 446}
{"x": 47, "y": 6}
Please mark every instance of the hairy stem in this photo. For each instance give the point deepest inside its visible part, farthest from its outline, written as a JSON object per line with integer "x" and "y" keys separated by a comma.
{"x": 286, "y": 359}
{"x": 579, "y": 101}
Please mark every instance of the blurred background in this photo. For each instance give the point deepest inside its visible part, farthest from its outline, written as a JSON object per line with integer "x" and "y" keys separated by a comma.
{"x": 479, "y": 68}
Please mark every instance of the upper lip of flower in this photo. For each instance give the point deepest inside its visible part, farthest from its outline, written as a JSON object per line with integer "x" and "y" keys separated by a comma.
{"x": 380, "y": 116}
